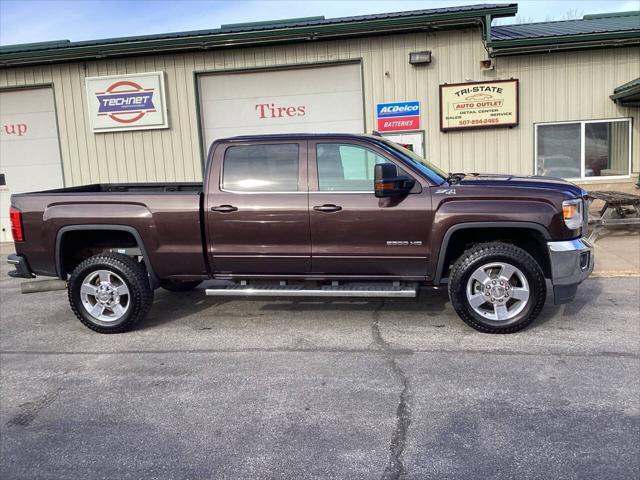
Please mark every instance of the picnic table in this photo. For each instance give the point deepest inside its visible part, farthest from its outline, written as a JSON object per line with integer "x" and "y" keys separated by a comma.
{"x": 619, "y": 209}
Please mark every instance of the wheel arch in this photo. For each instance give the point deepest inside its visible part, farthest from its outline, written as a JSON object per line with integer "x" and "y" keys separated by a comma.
{"x": 476, "y": 232}
{"x": 64, "y": 232}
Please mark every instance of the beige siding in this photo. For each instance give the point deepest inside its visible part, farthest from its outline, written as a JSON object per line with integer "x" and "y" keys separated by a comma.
{"x": 570, "y": 86}
{"x": 553, "y": 87}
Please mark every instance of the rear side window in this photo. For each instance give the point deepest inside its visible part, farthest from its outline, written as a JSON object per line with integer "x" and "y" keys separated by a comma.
{"x": 261, "y": 168}
{"x": 345, "y": 167}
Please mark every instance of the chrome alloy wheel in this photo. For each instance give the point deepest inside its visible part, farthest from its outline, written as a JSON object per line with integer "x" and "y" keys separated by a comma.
{"x": 498, "y": 291}
{"x": 105, "y": 295}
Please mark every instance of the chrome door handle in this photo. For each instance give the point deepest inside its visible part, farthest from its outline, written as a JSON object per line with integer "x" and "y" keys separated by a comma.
{"x": 327, "y": 208}
{"x": 224, "y": 208}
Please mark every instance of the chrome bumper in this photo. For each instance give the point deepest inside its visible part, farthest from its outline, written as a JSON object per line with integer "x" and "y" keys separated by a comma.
{"x": 571, "y": 263}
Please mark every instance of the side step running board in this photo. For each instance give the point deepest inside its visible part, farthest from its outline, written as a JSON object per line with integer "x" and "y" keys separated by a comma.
{"x": 329, "y": 291}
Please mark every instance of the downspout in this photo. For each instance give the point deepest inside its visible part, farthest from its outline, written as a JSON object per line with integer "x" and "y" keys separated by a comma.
{"x": 486, "y": 33}
{"x": 487, "y": 28}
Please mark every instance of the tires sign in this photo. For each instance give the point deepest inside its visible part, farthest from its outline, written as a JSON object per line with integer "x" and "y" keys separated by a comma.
{"x": 398, "y": 116}
{"x": 127, "y": 102}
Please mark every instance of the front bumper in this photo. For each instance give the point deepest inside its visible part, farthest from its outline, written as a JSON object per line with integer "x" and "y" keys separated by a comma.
{"x": 22, "y": 269}
{"x": 571, "y": 263}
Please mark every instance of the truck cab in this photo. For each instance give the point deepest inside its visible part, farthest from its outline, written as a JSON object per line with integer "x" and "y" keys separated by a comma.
{"x": 306, "y": 206}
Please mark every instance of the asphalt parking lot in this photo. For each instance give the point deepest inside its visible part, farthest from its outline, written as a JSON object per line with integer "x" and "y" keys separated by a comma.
{"x": 278, "y": 388}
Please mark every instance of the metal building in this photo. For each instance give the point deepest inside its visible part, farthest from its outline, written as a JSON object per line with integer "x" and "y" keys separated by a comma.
{"x": 554, "y": 98}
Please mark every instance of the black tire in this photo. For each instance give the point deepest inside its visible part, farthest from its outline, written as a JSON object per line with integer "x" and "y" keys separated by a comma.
{"x": 487, "y": 253}
{"x": 178, "y": 286}
{"x": 135, "y": 277}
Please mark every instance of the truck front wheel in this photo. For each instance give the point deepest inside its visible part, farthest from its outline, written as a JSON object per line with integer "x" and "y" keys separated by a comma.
{"x": 497, "y": 288}
{"x": 110, "y": 292}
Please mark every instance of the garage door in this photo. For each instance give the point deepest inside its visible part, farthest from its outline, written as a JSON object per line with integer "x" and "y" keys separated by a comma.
{"x": 317, "y": 99}
{"x": 29, "y": 149}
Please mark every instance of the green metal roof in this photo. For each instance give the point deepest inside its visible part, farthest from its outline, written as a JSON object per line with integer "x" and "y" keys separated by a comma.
{"x": 271, "y": 22}
{"x": 591, "y": 16}
{"x": 277, "y": 31}
{"x": 628, "y": 94}
{"x": 605, "y": 29}
{"x": 630, "y": 21}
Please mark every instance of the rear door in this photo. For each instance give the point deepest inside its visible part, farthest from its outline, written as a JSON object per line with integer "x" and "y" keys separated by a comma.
{"x": 256, "y": 209}
{"x": 352, "y": 231}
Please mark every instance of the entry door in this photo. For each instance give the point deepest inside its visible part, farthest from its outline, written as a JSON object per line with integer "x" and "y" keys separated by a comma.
{"x": 414, "y": 141}
{"x": 29, "y": 149}
{"x": 257, "y": 209}
{"x": 355, "y": 233}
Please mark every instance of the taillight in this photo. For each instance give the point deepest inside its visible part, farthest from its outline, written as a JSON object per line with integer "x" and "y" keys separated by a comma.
{"x": 16, "y": 224}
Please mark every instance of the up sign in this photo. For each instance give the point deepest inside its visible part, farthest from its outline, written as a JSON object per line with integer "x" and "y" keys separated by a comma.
{"x": 479, "y": 105}
{"x": 127, "y": 102}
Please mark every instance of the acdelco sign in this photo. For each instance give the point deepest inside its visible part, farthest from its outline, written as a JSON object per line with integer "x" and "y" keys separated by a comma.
{"x": 398, "y": 116}
{"x": 127, "y": 102}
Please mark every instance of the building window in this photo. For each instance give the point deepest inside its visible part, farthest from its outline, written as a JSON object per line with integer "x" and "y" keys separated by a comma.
{"x": 582, "y": 150}
{"x": 261, "y": 168}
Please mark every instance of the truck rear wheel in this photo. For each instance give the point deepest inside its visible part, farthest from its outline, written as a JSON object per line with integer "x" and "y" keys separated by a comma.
{"x": 110, "y": 292}
{"x": 497, "y": 288}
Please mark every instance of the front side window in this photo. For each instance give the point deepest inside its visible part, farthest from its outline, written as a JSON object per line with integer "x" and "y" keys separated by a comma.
{"x": 579, "y": 150}
{"x": 345, "y": 167}
{"x": 261, "y": 168}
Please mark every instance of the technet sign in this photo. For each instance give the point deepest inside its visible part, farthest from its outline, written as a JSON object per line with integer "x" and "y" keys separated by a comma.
{"x": 398, "y": 116}
{"x": 127, "y": 102}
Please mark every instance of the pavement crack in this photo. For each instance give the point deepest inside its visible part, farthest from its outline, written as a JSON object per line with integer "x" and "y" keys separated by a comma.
{"x": 394, "y": 468}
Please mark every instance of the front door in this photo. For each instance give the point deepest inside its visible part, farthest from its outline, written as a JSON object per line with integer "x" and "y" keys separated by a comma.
{"x": 352, "y": 231}
{"x": 257, "y": 209}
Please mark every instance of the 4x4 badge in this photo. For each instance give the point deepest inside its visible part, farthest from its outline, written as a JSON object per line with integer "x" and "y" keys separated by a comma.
{"x": 447, "y": 191}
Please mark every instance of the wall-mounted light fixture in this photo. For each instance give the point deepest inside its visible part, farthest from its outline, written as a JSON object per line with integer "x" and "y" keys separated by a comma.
{"x": 487, "y": 64}
{"x": 420, "y": 58}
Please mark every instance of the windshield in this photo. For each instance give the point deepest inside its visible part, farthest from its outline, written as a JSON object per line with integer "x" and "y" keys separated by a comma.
{"x": 416, "y": 160}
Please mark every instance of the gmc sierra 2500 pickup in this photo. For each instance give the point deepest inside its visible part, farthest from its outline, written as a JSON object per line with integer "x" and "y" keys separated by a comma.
{"x": 328, "y": 215}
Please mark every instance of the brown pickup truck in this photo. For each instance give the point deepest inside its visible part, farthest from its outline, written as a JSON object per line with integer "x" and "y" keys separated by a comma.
{"x": 310, "y": 215}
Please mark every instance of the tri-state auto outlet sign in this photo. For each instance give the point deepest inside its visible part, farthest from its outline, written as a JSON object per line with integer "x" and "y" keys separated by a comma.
{"x": 398, "y": 116}
{"x": 479, "y": 105}
{"x": 127, "y": 102}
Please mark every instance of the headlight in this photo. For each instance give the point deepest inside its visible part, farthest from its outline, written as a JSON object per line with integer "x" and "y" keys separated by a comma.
{"x": 572, "y": 213}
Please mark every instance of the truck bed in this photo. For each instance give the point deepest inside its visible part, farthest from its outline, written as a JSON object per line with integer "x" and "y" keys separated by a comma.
{"x": 164, "y": 218}
{"x": 129, "y": 187}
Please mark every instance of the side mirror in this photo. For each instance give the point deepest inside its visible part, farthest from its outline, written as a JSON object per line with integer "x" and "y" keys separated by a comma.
{"x": 387, "y": 182}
